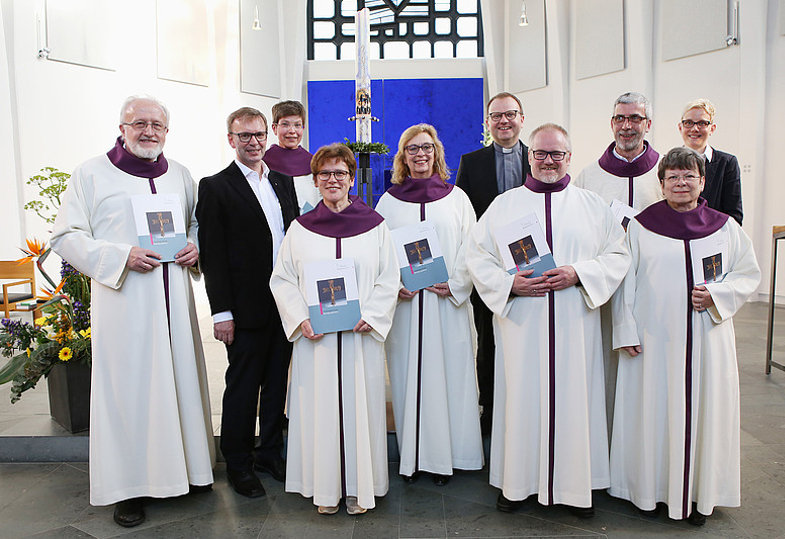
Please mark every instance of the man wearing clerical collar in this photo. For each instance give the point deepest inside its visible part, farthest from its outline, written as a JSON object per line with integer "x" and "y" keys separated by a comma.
{"x": 288, "y": 156}
{"x": 549, "y": 439}
{"x": 151, "y": 434}
{"x": 483, "y": 174}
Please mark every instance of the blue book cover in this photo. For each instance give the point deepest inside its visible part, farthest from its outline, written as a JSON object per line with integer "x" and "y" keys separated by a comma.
{"x": 159, "y": 221}
{"x": 332, "y": 296}
{"x": 420, "y": 257}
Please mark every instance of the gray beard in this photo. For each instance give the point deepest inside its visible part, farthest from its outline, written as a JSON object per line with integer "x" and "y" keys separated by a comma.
{"x": 151, "y": 154}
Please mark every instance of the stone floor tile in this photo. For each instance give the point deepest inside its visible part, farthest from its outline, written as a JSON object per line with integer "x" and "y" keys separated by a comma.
{"x": 67, "y": 532}
{"x": 243, "y": 521}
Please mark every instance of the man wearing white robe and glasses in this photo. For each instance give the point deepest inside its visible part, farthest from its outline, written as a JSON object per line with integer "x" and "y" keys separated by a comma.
{"x": 549, "y": 437}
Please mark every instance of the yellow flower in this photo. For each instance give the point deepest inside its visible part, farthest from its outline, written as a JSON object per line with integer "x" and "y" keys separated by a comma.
{"x": 28, "y": 352}
{"x": 65, "y": 353}
{"x": 41, "y": 321}
{"x": 85, "y": 333}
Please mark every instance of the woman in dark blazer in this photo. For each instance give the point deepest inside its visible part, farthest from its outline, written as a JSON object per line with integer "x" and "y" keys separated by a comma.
{"x": 723, "y": 176}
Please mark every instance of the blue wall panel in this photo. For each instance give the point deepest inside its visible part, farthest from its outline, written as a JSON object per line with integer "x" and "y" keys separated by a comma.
{"x": 453, "y": 106}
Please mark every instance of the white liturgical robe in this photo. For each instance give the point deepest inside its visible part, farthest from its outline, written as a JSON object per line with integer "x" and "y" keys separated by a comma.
{"x": 676, "y": 427}
{"x": 549, "y": 428}
{"x": 434, "y": 392}
{"x": 150, "y": 427}
{"x": 336, "y": 388}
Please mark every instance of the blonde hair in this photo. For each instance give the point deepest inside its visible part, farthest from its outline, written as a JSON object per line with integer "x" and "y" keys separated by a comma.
{"x": 703, "y": 104}
{"x": 401, "y": 170}
{"x": 550, "y": 127}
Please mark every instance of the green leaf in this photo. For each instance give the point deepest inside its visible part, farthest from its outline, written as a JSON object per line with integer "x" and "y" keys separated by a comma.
{"x": 12, "y": 368}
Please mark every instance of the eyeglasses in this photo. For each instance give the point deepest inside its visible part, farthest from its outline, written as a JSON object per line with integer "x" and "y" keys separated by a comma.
{"x": 414, "y": 149}
{"x": 634, "y": 119}
{"x": 287, "y": 125}
{"x": 340, "y": 175}
{"x": 261, "y": 136}
{"x": 141, "y": 125}
{"x": 689, "y": 178}
{"x": 689, "y": 124}
{"x": 541, "y": 155}
{"x": 509, "y": 114}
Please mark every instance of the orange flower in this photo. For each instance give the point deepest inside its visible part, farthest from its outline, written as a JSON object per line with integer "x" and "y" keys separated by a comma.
{"x": 34, "y": 249}
{"x": 47, "y": 294}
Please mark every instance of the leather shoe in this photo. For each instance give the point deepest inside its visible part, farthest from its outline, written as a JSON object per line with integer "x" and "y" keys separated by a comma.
{"x": 245, "y": 483}
{"x": 581, "y": 512}
{"x": 440, "y": 480}
{"x": 276, "y": 467}
{"x": 508, "y": 506}
{"x": 411, "y": 478}
{"x": 129, "y": 513}
{"x": 199, "y": 489}
{"x": 696, "y": 519}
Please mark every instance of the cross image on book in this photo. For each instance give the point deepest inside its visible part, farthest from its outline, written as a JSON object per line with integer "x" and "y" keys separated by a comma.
{"x": 712, "y": 267}
{"x": 332, "y": 292}
{"x": 523, "y": 252}
{"x": 418, "y": 252}
{"x": 625, "y": 221}
{"x": 160, "y": 224}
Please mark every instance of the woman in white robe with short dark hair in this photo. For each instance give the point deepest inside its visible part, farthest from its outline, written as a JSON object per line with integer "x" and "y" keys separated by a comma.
{"x": 676, "y": 428}
{"x": 430, "y": 349}
{"x": 337, "y": 442}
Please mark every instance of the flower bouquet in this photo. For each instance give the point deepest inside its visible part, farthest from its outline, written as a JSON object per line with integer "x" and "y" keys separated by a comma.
{"x": 60, "y": 335}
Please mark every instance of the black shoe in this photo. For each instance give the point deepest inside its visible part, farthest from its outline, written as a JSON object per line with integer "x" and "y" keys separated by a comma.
{"x": 581, "y": 512}
{"x": 199, "y": 489}
{"x": 129, "y": 513}
{"x": 508, "y": 506}
{"x": 245, "y": 483}
{"x": 411, "y": 478}
{"x": 276, "y": 467}
{"x": 440, "y": 480}
{"x": 696, "y": 519}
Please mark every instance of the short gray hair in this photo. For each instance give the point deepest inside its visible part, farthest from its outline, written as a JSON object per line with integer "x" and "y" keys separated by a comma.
{"x": 636, "y": 99}
{"x": 142, "y": 97}
{"x": 551, "y": 127}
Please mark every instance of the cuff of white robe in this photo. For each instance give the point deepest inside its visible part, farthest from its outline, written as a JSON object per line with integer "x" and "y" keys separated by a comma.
{"x": 223, "y": 316}
{"x": 625, "y": 335}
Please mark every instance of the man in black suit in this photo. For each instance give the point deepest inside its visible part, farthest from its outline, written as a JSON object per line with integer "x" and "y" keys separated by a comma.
{"x": 243, "y": 213}
{"x": 483, "y": 174}
{"x": 723, "y": 176}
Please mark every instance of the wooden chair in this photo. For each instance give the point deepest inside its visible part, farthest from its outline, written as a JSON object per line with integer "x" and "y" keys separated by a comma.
{"x": 24, "y": 275}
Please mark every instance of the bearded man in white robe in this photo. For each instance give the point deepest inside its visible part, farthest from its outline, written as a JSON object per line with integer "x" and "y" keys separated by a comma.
{"x": 150, "y": 428}
{"x": 549, "y": 436}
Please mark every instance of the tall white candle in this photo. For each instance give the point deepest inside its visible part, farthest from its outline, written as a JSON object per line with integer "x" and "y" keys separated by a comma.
{"x": 362, "y": 85}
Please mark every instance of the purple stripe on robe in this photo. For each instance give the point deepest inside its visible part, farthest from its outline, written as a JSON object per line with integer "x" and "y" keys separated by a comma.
{"x": 295, "y": 162}
{"x": 165, "y": 270}
{"x": 421, "y": 190}
{"x": 419, "y": 365}
{"x": 551, "y": 346}
{"x": 686, "y": 505}
{"x": 339, "y": 337}
{"x": 698, "y": 223}
{"x": 353, "y": 220}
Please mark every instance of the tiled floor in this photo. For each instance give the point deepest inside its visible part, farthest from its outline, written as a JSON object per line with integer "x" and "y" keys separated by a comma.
{"x": 51, "y": 500}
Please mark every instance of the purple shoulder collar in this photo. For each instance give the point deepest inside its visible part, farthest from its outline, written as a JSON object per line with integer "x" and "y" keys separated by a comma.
{"x": 421, "y": 190}
{"x": 623, "y": 169}
{"x": 130, "y": 164}
{"x": 689, "y": 225}
{"x": 295, "y": 162}
{"x": 354, "y": 220}
{"x": 541, "y": 187}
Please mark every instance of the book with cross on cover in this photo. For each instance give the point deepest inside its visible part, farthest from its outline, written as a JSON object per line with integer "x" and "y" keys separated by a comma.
{"x": 522, "y": 246}
{"x": 420, "y": 256}
{"x": 709, "y": 258}
{"x": 332, "y": 295}
{"x": 159, "y": 221}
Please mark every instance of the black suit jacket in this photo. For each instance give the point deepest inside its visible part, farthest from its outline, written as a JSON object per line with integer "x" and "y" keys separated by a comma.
{"x": 723, "y": 184}
{"x": 236, "y": 244}
{"x": 477, "y": 176}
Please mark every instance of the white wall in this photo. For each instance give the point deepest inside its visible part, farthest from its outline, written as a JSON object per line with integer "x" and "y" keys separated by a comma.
{"x": 746, "y": 83}
{"x": 68, "y": 113}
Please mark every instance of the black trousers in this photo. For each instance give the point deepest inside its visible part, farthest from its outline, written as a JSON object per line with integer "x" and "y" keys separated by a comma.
{"x": 255, "y": 380}
{"x": 483, "y": 321}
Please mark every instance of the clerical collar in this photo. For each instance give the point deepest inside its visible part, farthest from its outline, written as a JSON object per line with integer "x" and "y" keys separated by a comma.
{"x": 542, "y": 187}
{"x": 295, "y": 162}
{"x": 708, "y": 154}
{"x": 501, "y": 149}
{"x": 353, "y": 220}
{"x": 421, "y": 190}
{"x": 625, "y": 169}
{"x": 136, "y": 166}
{"x": 697, "y": 223}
